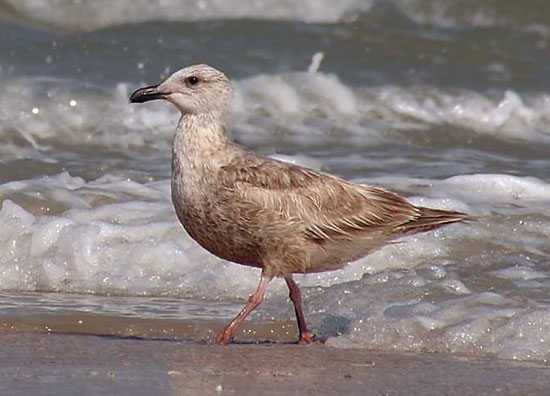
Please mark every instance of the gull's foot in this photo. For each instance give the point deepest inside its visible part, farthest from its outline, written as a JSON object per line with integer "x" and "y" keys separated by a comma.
{"x": 306, "y": 338}
{"x": 224, "y": 336}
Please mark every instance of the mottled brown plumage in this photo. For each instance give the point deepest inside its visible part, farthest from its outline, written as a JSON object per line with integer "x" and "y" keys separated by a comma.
{"x": 265, "y": 213}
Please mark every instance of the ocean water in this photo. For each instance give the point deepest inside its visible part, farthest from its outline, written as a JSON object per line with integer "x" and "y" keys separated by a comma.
{"x": 447, "y": 103}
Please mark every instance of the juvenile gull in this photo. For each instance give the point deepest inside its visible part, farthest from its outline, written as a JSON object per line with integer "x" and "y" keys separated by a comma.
{"x": 265, "y": 213}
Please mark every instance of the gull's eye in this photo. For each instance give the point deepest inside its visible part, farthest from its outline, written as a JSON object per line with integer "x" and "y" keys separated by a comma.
{"x": 193, "y": 80}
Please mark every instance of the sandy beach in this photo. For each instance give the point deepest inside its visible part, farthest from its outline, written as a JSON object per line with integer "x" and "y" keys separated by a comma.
{"x": 68, "y": 364}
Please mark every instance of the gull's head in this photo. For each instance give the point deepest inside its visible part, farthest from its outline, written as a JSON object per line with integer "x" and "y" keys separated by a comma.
{"x": 193, "y": 90}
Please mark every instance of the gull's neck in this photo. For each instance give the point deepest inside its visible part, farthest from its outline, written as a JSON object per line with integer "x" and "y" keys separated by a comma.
{"x": 201, "y": 143}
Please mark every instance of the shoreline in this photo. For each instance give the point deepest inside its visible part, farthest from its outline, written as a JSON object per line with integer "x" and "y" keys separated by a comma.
{"x": 68, "y": 364}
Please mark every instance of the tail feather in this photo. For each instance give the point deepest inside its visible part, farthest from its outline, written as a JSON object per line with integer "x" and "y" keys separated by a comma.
{"x": 430, "y": 219}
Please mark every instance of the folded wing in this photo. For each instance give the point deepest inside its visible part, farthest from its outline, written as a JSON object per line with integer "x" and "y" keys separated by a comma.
{"x": 330, "y": 208}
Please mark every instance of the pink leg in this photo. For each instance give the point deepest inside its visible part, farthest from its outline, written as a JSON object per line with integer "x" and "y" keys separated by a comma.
{"x": 228, "y": 332}
{"x": 305, "y": 335}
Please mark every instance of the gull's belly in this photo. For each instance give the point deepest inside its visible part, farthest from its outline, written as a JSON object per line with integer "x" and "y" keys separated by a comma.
{"x": 209, "y": 225}
{"x": 239, "y": 233}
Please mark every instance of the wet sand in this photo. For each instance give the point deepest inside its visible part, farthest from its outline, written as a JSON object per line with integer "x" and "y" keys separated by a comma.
{"x": 36, "y": 364}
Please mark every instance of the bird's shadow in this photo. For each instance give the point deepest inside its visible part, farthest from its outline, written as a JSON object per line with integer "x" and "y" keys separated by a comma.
{"x": 333, "y": 326}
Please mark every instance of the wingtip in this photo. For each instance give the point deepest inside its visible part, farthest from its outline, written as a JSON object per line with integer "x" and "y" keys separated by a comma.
{"x": 430, "y": 219}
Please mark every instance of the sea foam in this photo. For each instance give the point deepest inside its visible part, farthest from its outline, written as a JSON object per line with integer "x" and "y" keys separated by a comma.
{"x": 115, "y": 236}
{"x": 309, "y": 108}
{"x": 78, "y": 15}
{"x": 73, "y": 15}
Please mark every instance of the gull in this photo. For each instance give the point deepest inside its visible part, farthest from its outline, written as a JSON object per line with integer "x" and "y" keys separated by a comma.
{"x": 265, "y": 213}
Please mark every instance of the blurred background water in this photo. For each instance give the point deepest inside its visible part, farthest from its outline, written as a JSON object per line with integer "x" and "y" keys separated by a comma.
{"x": 447, "y": 103}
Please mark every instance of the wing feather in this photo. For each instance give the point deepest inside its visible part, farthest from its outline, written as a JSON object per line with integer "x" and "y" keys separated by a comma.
{"x": 330, "y": 208}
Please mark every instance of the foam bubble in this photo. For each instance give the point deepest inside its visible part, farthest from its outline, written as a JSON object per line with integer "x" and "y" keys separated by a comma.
{"x": 500, "y": 188}
{"x": 521, "y": 273}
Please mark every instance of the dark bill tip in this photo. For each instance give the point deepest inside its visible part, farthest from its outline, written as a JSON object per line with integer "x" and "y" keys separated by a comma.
{"x": 146, "y": 94}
